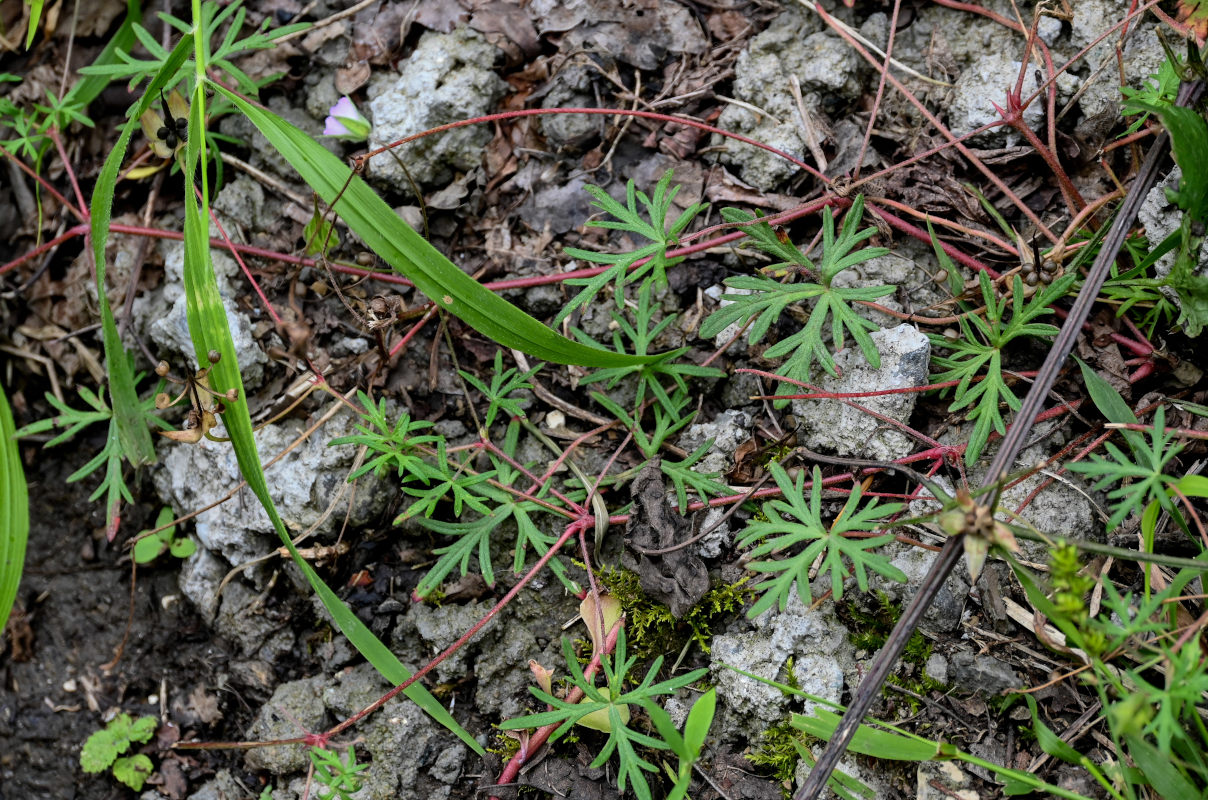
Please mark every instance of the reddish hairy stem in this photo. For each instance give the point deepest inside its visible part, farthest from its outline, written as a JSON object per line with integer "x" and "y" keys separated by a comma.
{"x": 512, "y": 769}
{"x": 79, "y": 214}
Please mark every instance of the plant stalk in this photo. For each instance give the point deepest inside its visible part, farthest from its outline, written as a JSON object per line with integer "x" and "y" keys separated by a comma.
{"x": 870, "y": 685}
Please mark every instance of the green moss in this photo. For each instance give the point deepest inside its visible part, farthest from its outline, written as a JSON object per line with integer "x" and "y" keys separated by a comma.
{"x": 651, "y": 629}
{"x": 778, "y": 754}
{"x": 868, "y": 630}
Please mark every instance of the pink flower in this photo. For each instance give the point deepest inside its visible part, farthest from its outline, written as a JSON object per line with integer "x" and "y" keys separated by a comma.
{"x": 345, "y": 122}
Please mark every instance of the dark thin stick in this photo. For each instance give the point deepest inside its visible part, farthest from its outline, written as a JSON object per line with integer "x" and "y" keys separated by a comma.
{"x": 870, "y": 684}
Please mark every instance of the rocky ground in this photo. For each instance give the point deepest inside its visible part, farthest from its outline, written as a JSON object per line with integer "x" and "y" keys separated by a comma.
{"x": 251, "y": 655}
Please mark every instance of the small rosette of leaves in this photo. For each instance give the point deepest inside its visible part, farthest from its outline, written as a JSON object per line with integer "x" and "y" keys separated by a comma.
{"x": 794, "y": 521}
{"x": 628, "y": 217}
{"x": 105, "y": 747}
{"x": 610, "y": 702}
{"x": 766, "y": 298}
{"x": 976, "y": 359}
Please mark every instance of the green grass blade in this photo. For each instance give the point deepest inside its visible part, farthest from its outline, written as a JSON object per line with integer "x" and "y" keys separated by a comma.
{"x": 411, "y": 255}
{"x": 14, "y": 512}
{"x": 132, "y": 428}
{"x": 209, "y": 329}
{"x": 88, "y": 87}
{"x": 35, "y": 16}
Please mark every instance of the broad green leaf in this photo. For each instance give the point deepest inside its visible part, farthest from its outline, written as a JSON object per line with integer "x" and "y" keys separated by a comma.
{"x": 35, "y": 16}
{"x": 869, "y": 741}
{"x": 1163, "y": 776}
{"x": 1189, "y": 141}
{"x": 1049, "y": 741}
{"x": 14, "y": 512}
{"x": 133, "y": 770}
{"x": 209, "y": 329}
{"x": 1109, "y": 402}
{"x": 411, "y": 255}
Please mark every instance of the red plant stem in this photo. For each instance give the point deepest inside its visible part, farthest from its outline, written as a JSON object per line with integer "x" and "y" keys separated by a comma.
{"x": 566, "y": 451}
{"x": 943, "y": 130}
{"x": 394, "y": 351}
{"x": 1005, "y": 246}
{"x": 876, "y": 103}
{"x": 486, "y": 444}
{"x": 230, "y": 246}
{"x": 571, "y": 529}
{"x": 53, "y": 133}
{"x": 533, "y": 112}
{"x": 79, "y": 214}
{"x": 924, "y": 236}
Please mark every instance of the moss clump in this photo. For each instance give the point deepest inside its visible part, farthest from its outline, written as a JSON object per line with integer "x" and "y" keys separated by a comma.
{"x": 870, "y": 627}
{"x": 651, "y": 629}
{"x": 778, "y": 753}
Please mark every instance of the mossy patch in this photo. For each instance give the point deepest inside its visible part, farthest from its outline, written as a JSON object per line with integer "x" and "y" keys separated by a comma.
{"x": 650, "y": 627}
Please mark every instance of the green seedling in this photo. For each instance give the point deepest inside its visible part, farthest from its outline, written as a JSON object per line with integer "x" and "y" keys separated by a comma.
{"x": 687, "y": 746}
{"x": 614, "y": 701}
{"x": 103, "y": 750}
{"x": 767, "y": 296}
{"x": 337, "y": 776}
{"x": 149, "y": 548}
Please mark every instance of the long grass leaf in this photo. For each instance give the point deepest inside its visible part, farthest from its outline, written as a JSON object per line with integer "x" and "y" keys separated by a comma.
{"x": 132, "y": 429}
{"x": 14, "y": 512}
{"x": 89, "y": 87}
{"x": 411, "y": 255}
{"x": 209, "y": 329}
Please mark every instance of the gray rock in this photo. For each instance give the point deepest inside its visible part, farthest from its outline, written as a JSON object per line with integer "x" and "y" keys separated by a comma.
{"x": 903, "y": 268}
{"x": 937, "y": 668}
{"x": 222, "y": 786}
{"x": 302, "y": 485}
{"x": 570, "y": 87}
{"x": 1062, "y": 509}
{"x": 412, "y": 757}
{"x": 957, "y": 783}
{"x": 728, "y": 430}
{"x": 815, "y": 640}
{"x": 448, "y": 78}
{"x": 982, "y": 674}
{"x": 170, "y": 330}
{"x": 1142, "y": 56}
{"x": 296, "y": 708}
{"x": 984, "y": 83}
{"x": 946, "y": 610}
{"x": 828, "y": 73}
{"x": 837, "y": 427}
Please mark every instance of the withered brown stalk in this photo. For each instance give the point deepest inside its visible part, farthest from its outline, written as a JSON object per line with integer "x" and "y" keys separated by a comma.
{"x": 1004, "y": 459}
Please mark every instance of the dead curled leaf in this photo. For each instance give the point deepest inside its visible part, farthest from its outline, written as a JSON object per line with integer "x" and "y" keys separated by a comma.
{"x": 677, "y": 579}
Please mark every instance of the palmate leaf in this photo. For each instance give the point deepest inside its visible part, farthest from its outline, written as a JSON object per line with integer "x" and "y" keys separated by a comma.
{"x": 496, "y": 506}
{"x": 976, "y": 359}
{"x": 628, "y": 217}
{"x": 765, "y": 299}
{"x": 411, "y": 255}
{"x": 614, "y": 701}
{"x": 802, "y": 523}
{"x": 1144, "y": 470}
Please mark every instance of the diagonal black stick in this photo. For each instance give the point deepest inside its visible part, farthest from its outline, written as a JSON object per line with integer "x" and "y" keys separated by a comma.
{"x": 870, "y": 684}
